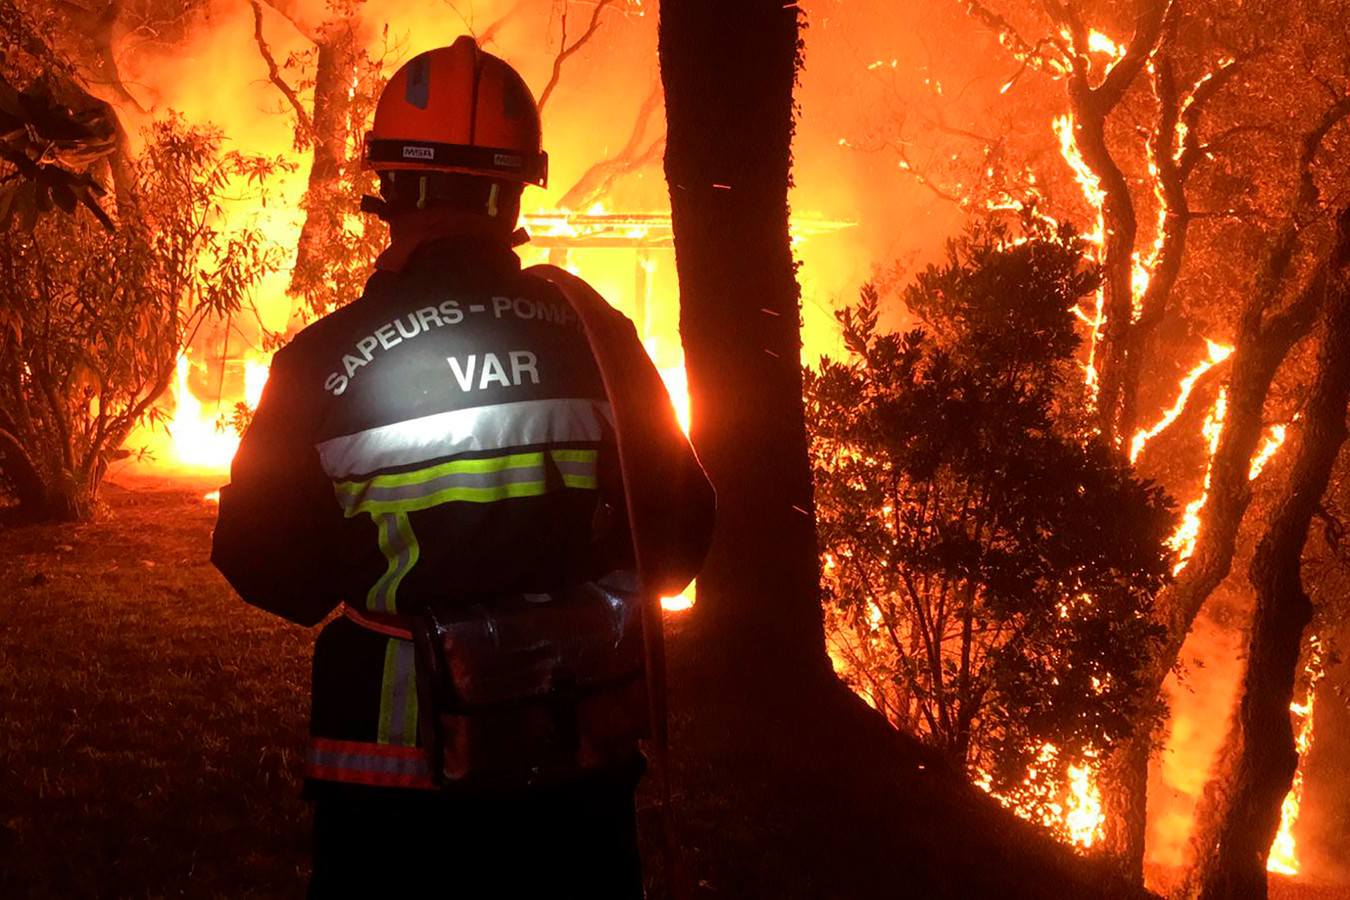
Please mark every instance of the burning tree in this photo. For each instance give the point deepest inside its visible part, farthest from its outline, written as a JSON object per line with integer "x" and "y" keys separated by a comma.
{"x": 95, "y": 318}
{"x": 1202, "y": 140}
{"x": 990, "y": 571}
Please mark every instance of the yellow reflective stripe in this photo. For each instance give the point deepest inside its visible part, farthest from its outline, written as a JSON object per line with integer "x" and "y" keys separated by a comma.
{"x": 572, "y": 480}
{"x": 575, "y": 455}
{"x": 399, "y": 546}
{"x": 373, "y": 601}
{"x": 454, "y": 467}
{"x": 387, "y": 689}
{"x": 398, "y": 695}
{"x": 410, "y": 542}
{"x": 465, "y": 494}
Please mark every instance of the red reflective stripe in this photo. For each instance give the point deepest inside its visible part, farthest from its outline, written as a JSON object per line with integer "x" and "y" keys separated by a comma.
{"x": 381, "y": 623}
{"x": 364, "y": 764}
{"x": 374, "y": 779}
{"x": 366, "y": 748}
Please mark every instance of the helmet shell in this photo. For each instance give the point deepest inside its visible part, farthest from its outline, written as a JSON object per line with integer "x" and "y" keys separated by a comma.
{"x": 458, "y": 109}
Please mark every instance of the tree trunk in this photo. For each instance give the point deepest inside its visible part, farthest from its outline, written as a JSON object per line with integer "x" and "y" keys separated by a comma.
{"x": 1232, "y": 863}
{"x": 324, "y": 211}
{"x": 1263, "y": 341}
{"x": 729, "y": 73}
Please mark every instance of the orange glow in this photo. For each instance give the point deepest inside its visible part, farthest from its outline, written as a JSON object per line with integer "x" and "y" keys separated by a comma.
{"x": 1072, "y": 812}
{"x": 677, "y": 385}
{"x": 1100, "y": 43}
{"x": 197, "y": 438}
{"x": 1184, "y": 538}
{"x": 1091, "y": 186}
{"x": 1217, "y": 354}
{"x": 1269, "y": 447}
{"x": 1283, "y": 856}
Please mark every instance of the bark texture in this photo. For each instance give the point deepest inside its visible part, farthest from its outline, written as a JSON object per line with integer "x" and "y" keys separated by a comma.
{"x": 324, "y": 210}
{"x": 1232, "y": 851}
{"x": 1280, "y": 311}
{"x": 729, "y": 73}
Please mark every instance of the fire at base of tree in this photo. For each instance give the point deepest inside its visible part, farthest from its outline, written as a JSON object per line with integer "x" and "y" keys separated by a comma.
{"x": 93, "y": 319}
{"x": 989, "y": 564}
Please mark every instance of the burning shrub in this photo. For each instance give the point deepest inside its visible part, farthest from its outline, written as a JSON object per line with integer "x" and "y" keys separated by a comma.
{"x": 94, "y": 320}
{"x": 989, "y": 565}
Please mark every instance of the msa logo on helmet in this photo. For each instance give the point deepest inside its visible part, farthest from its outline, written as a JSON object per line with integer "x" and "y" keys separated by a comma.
{"x": 427, "y": 153}
{"x": 507, "y": 161}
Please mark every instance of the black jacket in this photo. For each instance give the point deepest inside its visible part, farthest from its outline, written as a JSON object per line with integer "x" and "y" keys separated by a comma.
{"x": 447, "y": 434}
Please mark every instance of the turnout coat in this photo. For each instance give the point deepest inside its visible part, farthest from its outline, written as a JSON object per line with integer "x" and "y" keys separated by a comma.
{"x": 448, "y": 434}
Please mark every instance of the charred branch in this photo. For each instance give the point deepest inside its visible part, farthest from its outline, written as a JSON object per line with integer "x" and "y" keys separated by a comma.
{"x": 303, "y": 124}
{"x": 1232, "y": 853}
{"x": 1030, "y": 54}
{"x": 599, "y": 178}
{"x": 1173, "y": 160}
{"x": 565, "y": 50}
{"x": 1262, "y": 342}
{"x": 490, "y": 33}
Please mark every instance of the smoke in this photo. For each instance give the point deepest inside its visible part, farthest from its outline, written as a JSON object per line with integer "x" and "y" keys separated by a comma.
{"x": 1200, "y": 701}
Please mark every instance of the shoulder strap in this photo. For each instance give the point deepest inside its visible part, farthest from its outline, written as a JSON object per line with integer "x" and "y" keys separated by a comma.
{"x": 670, "y": 504}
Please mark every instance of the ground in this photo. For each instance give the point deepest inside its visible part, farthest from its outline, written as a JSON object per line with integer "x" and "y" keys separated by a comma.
{"x": 154, "y": 727}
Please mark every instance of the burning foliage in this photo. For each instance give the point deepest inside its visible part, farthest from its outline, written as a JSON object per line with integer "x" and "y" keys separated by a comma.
{"x": 990, "y": 566}
{"x": 95, "y": 319}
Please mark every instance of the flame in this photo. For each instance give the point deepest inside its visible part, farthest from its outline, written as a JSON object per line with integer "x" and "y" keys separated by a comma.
{"x": 1184, "y": 538}
{"x": 1100, "y": 43}
{"x": 677, "y": 385}
{"x": 1283, "y": 857}
{"x": 1088, "y": 181}
{"x": 1217, "y": 354}
{"x": 197, "y": 442}
{"x": 1095, "y": 196}
{"x": 1270, "y": 446}
{"x": 1074, "y": 812}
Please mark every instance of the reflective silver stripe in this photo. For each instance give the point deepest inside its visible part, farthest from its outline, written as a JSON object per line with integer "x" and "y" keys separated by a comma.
{"x": 498, "y": 427}
{"x": 365, "y": 762}
{"x": 577, "y": 472}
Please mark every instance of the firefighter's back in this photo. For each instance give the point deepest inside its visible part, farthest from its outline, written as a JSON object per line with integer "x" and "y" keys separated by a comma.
{"x": 462, "y": 421}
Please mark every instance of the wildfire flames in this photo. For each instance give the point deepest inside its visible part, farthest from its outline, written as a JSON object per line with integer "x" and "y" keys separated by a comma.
{"x": 628, "y": 256}
{"x": 1073, "y": 811}
{"x": 199, "y": 439}
{"x": 1284, "y": 851}
{"x": 1082, "y": 818}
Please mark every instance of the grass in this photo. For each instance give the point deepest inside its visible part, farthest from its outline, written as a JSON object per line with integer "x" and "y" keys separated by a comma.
{"x": 154, "y": 728}
{"x": 154, "y": 723}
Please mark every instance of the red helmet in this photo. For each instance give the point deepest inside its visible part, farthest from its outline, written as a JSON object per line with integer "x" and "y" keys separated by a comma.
{"x": 458, "y": 109}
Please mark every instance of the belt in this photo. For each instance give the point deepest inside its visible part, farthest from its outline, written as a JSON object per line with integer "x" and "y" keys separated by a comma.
{"x": 381, "y": 623}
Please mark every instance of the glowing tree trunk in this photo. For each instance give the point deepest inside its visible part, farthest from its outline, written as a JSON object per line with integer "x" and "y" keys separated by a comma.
{"x": 330, "y": 130}
{"x": 1266, "y": 332}
{"x": 1233, "y": 847}
{"x": 729, "y": 73}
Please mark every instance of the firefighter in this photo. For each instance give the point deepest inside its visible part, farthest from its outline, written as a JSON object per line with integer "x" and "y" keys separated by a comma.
{"x": 450, "y": 434}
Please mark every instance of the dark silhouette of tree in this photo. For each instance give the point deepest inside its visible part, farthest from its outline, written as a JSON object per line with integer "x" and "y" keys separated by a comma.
{"x": 1233, "y": 838}
{"x": 1197, "y": 118}
{"x": 728, "y": 169}
{"x": 997, "y": 570}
